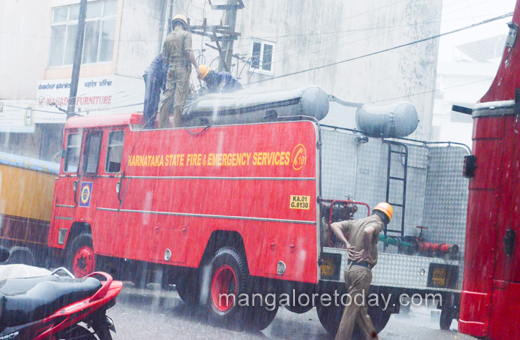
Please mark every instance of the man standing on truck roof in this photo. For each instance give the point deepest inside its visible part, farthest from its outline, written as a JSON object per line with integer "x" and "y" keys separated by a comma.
{"x": 178, "y": 55}
{"x": 362, "y": 257}
{"x": 155, "y": 82}
{"x": 219, "y": 82}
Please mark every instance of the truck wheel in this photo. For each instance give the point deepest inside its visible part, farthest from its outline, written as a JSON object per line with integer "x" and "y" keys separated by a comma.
{"x": 227, "y": 281}
{"x": 446, "y": 318}
{"x": 330, "y": 317}
{"x": 80, "y": 258}
{"x": 379, "y": 318}
{"x": 189, "y": 290}
{"x": 260, "y": 317}
{"x": 299, "y": 309}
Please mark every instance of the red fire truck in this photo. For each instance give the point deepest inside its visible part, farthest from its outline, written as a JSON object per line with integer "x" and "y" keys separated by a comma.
{"x": 244, "y": 208}
{"x": 491, "y": 291}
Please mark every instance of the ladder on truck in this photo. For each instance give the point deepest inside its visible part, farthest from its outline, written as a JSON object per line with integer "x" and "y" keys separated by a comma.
{"x": 396, "y": 150}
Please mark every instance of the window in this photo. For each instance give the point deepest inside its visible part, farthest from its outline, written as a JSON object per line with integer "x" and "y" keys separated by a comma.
{"x": 262, "y": 57}
{"x": 100, "y": 27}
{"x": 91, "y": 157}
{"x": 72, "y": 154}
{"x": 116, "y": 141}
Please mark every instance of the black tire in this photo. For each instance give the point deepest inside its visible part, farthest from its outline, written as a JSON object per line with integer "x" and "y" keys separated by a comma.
{"x": 330, "y": 317}
{"x": 228, "y": 275}
{"x": 78, "y": 332}
{"x": 379, "y": 318}
{"x": 188, "y": 293}
{"x": 259, "y": 317}
{"x": 299, "y": 309}
{"x": 446, "y": 318}
{"x": 189, "y": 290}
{"x": 80, "y": 258}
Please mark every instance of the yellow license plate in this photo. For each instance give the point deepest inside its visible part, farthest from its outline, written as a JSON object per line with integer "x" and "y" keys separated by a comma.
{"x": 439, "y": 277}
{"x": 327, "y": 268}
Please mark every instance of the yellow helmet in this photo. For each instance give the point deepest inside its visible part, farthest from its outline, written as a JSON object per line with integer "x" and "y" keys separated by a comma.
{"x": 182, "y": 19}
{"x": 204, "y": 69}
{"x": 386, "y": 209}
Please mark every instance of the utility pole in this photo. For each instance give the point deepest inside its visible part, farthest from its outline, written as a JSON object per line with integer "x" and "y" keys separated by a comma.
{"x": 224, "y": 34}
{"x": 230, "y": 18}
{"x": 76, "y": 66}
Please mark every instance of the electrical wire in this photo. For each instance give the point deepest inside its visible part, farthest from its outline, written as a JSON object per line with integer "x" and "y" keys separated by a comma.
{"x": 320, "y": 42}
{"x": 359, "y": 14}
{"x": 337, "y": 38}
{"x": 391, "y": 21}
{"x": 246, "y": 63}
{"x": 433, "y": 91}
{"x": 35, "y": 110}
{"x": 385, "y": 50}
{"x": 267, "y": 37}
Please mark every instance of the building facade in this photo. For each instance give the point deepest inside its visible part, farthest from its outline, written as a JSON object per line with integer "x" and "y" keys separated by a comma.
{"x": 352, "y": 50}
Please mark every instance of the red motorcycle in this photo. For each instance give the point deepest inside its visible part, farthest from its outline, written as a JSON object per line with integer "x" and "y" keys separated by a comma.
{"x": 56, "y": 307}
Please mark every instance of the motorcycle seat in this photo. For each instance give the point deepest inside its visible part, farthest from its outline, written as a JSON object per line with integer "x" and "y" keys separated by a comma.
{"x": 30, "y": 299}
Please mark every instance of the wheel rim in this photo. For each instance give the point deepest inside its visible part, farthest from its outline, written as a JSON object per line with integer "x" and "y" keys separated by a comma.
{"x": 224, "y": 288}
{"x": 84, "y": 262}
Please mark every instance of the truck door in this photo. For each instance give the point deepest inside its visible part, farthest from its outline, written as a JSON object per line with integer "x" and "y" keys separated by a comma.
{"x": 170, "y": 233}
{"x": 88, "y": 191}
{"x": 109, "y": 226}
{"x": 65, "y": 198}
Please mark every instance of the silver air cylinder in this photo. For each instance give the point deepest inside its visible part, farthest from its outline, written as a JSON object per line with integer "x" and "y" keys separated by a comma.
{"x": 395, "y": 120}
{"x": 253, "y": 106}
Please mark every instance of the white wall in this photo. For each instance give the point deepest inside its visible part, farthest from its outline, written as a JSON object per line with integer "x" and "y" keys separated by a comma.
{"x": 313, "y": 33}
{"x": 22, "y": 40}
{"x": 346, "y": 30}
{"x": 306, "y": 34}
{"x": 141, "y": 33}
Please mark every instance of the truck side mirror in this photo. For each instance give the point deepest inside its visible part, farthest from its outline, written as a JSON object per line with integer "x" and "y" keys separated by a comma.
{"x": 470, "y": 166}
{"x": 509, "y": 242}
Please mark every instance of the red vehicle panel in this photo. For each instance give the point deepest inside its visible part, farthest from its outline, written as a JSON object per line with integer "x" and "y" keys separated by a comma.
{"x": 176, "y": 187}
{"x": 492, "y": 263}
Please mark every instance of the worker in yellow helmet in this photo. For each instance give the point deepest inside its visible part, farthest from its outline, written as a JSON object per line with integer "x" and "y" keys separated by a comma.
{"x": 178, "y": 55}
{"x": 219, "y": 82}
{"x": 362, "y": 257}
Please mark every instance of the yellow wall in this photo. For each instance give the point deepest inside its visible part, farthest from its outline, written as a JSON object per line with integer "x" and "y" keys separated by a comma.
{"x": 26, "y": 193}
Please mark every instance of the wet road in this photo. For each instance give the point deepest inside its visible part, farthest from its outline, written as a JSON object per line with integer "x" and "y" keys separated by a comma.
{"x": 148, "y": 314}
